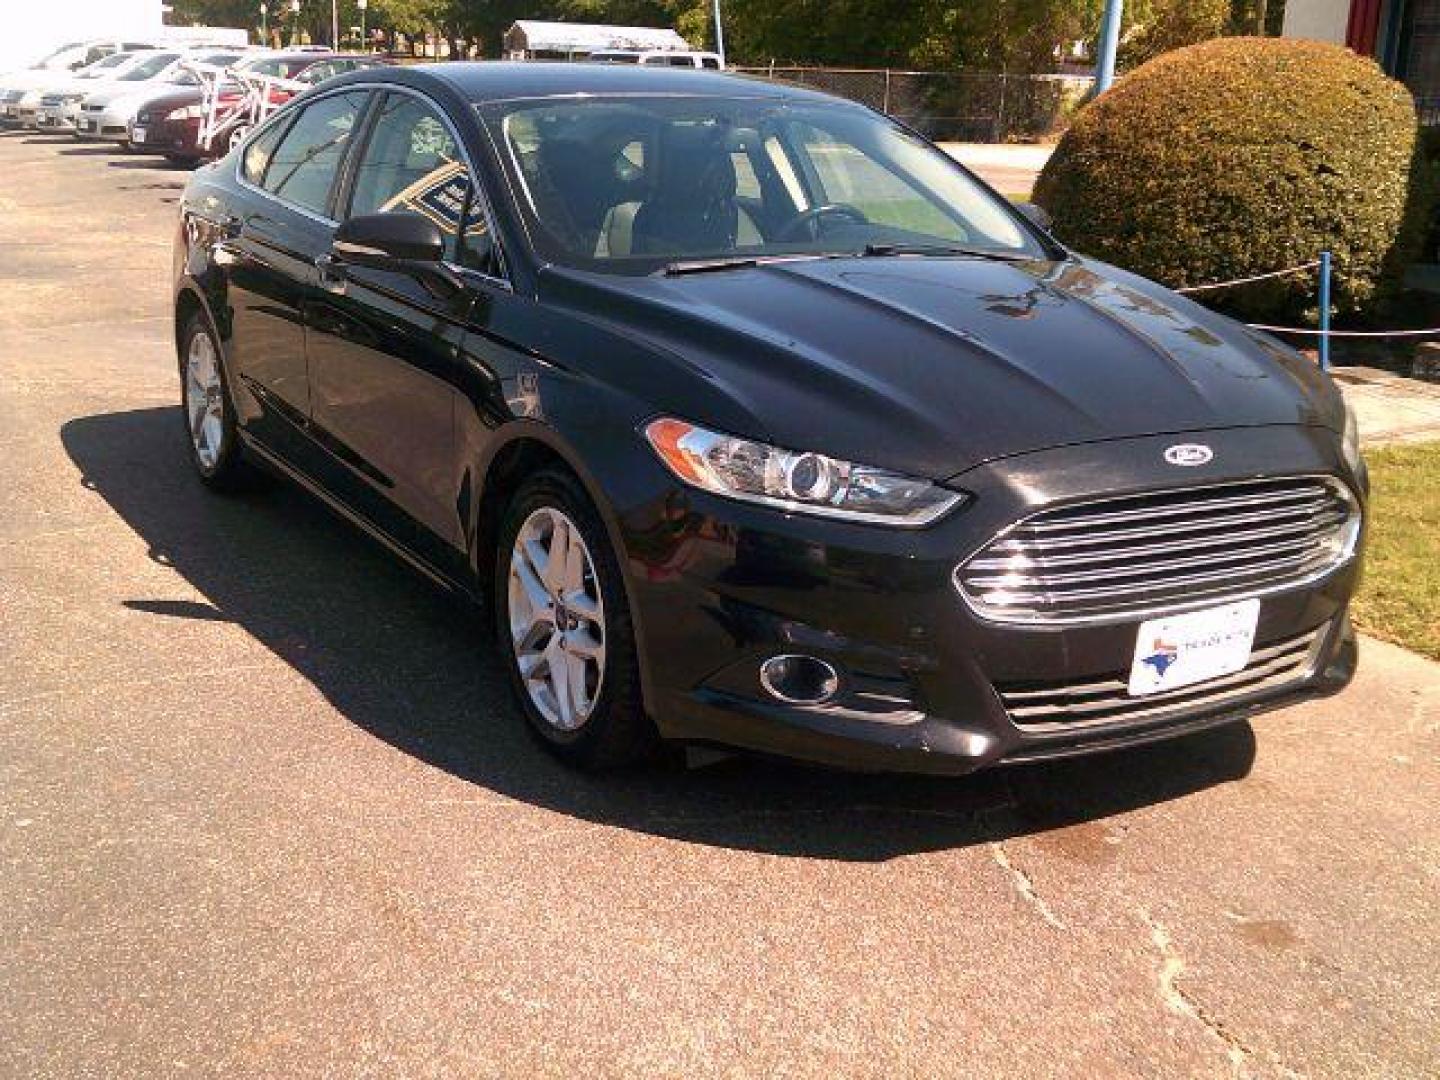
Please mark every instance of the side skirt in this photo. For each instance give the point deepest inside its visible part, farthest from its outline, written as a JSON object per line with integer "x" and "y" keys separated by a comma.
{"x": 337, "y": 507}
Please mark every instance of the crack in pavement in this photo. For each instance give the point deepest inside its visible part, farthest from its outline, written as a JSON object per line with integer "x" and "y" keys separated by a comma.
{"x": 1024, "y": 886}
{"x": 1182, "y": 1001}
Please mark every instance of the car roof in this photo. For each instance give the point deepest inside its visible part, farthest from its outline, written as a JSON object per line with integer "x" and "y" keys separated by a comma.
{"x": 500, "y": 80}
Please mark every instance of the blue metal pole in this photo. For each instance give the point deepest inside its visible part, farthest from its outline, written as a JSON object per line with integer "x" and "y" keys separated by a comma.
{"x": 1109, "y": 46}
{"x": 1325, "y": 311}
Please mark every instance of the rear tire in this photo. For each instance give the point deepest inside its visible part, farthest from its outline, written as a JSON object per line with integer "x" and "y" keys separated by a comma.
{"x": 207, "y": 410}
{"x": 564, "y": 627}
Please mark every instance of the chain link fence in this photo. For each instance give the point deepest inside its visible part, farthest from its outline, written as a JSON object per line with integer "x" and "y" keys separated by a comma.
{"x": 950, "y": 106}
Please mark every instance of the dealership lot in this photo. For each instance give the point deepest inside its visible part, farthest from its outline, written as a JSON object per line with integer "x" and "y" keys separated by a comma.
{"x": 265, "y": 806}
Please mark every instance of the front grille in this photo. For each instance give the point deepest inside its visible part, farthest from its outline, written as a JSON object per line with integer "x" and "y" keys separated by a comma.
{"x": 1045, "y": 707}
{"x": 94, "y": 108}
{"x": 1107, "y": 560}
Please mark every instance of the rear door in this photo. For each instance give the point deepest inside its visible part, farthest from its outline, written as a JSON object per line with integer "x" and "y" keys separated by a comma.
{"x": 384, "y": 345}
{"x": 290, "y": 175}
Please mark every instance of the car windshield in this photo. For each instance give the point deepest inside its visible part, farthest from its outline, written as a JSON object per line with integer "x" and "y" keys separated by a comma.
{"x": 55, "y": 59}
{"x": 114, "y": 60}
{"x": 633, "y": 184}
{"x": 149, "y": 68}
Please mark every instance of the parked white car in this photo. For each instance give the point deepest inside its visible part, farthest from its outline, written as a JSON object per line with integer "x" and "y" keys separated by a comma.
{"x": 15, "y": 84}
{"x": 94, "y": 122}
{"x": 36, "y": 107}
{"x": 112, "y": 107}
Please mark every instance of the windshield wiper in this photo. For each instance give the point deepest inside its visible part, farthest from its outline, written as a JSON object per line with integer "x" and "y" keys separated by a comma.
{"x": 708, "y": 266}
{"x": 880, "y": 251}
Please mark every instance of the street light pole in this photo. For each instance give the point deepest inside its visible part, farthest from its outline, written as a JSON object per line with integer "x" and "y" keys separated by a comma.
{"x": 1109, "y": 46}
{"x": 364, "y": 41}
{"x": 719, "y": 35}
{"x": 264, "y": 24}
{"x": 335, "y": 25}
{"x": 295, "y": 24}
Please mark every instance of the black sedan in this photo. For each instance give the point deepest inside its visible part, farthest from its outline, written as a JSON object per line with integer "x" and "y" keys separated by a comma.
{"x": 758, "y": 422}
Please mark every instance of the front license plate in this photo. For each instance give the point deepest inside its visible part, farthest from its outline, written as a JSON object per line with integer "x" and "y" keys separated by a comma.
{"x": 138, "y": 135}
{"x": 1180, "y": 650}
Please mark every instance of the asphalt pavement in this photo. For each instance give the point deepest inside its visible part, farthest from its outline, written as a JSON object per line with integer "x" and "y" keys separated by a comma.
{"x": 266, "y": 810}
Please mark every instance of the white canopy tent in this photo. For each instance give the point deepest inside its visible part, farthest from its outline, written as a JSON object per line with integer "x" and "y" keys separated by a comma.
{"x": 528, "y": 39}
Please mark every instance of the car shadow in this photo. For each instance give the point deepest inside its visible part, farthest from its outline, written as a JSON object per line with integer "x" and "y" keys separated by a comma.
{"x": 416, "y": 670}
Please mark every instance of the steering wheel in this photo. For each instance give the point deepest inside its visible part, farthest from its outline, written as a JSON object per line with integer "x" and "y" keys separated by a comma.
{"x": 806, "y": 224}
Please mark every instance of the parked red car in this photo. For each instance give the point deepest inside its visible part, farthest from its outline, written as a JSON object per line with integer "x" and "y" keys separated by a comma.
{"x": 171, "y": 125}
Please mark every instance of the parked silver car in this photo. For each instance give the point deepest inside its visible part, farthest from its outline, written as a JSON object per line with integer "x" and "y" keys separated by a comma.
{"x": 47, "y": 110}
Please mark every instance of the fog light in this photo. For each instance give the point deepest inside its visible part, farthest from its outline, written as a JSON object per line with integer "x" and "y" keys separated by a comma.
{"x": 799, "y": 680}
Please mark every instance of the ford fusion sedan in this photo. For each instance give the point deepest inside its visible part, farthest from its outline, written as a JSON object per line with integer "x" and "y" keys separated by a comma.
{"x": 758, "y": 422}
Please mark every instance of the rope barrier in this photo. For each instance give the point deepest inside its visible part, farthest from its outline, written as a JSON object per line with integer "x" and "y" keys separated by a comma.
{"x": 1248, "y": 280}
{"x": 1429, "y": 332}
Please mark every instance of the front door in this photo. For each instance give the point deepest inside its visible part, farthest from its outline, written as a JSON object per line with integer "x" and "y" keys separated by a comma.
{"x": 384, "y": 345}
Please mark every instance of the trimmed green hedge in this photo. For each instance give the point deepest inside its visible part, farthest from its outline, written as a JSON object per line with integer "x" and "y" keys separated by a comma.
{"x": 1243, "y": 155}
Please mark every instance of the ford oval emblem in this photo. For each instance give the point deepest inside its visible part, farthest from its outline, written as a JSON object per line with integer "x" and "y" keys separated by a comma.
{"x": 1189, "y": 454}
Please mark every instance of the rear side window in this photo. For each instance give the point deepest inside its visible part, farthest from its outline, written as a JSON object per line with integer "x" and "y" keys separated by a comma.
{"x": 302, "y": 167}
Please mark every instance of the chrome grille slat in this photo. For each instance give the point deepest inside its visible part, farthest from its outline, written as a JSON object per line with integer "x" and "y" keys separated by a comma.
{"x": 1137, "y": 554}
{"x": 1198, "y": 506}
{"x": 1111, "y": 572}
{"x": 1023, "y": 541}
{"x": 1107, "y": 702}
{"x": 1142, "y": 551}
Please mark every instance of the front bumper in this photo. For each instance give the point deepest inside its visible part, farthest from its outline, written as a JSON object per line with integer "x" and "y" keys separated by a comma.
{"x": 54, "y": 118}
{"x": 717, "y": 587}
{"x": 103, "y": 125}
{"x": 176, "y": 137}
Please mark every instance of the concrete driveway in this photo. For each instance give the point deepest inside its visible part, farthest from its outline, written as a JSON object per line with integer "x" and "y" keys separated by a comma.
{"x": 265, "y": 808}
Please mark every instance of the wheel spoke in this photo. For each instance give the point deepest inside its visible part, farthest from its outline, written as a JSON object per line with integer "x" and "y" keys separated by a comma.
{"x": 560, "y": 687}
{"x": 532, "y": 630}
{"x": 559, "y": 552}
{"x": 197, "y": 423}
{"x": 583, "y": 644}
{"x": 539, "y": 561}
{"x": 579, "y": 700}
{"x": 535, "y": 592}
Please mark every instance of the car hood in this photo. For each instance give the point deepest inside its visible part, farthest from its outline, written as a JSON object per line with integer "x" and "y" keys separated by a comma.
{"x": 176, "y": 98}
{"x": 934, "y": 365}
{"x": 111, "y": 93}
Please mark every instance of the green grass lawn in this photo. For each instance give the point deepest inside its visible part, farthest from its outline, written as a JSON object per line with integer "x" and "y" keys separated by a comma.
{"x": 1400, "y": 598}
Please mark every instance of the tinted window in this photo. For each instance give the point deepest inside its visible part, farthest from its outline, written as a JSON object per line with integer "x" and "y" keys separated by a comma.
{"x": 258, "y": 153}
{"x": 413, "y": 164}
{"x": 303, "y": 166}
{"x": 641, "y": 181}
{"x": 150, "y": 68}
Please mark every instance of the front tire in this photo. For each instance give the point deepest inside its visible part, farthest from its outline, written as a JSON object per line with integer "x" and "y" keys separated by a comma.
{"x": 564, "y": 626}
{"x": 207, "y": 411}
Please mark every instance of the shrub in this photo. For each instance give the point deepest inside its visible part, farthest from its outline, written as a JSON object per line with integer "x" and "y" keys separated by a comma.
{"x": 1243, "y": 155}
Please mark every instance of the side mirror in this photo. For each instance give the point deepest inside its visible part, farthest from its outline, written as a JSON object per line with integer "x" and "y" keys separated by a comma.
{"x": 385, "y": 240}
{"x": 1038, "y": 216}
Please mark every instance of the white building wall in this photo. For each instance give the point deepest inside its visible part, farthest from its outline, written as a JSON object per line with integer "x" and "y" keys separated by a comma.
{"x": 37, "y": 27}
{"x": 1320, "y": 20}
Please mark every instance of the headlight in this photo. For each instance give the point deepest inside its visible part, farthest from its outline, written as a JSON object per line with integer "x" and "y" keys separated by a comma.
{"x": 792, "y": 480}
{"x": 189, "y": 112}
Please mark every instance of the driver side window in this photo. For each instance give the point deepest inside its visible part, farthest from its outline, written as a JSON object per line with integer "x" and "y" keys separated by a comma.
{"x": 413, "y": 164}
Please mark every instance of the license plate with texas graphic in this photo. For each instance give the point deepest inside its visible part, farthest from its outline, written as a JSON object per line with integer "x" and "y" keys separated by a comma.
{"x": 1181, "y": 650}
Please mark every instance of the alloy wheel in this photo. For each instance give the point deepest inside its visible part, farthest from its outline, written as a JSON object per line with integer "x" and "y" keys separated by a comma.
{"x": 204, "y": 400}
{"x": 557, "y": 619}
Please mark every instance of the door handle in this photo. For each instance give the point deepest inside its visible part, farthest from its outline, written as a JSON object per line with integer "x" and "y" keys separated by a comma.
{"x": 331, "y": 272}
